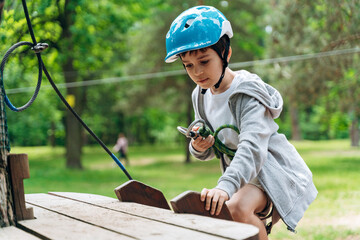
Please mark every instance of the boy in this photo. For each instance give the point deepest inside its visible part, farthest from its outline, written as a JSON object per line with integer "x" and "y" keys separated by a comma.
{"x": 266, "y": 177}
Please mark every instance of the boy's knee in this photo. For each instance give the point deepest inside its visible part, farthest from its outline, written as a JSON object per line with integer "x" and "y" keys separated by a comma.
{"x": 241, "y": 213}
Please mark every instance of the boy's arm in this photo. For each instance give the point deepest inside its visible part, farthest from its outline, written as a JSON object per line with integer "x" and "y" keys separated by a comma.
{"x": 256, "y": 126}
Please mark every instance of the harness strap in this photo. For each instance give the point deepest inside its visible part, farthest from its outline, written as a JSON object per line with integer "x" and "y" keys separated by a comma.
{"x": 203, "y": 116}
{"x": 223, "y": 58}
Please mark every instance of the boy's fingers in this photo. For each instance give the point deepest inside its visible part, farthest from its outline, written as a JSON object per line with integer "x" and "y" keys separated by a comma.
{"x": 220, "y": 204}
{"x": 203, "y": 194}
{"x": 214, "y": 204}
{"x": 209, "y": 197}
{"x": 212, "y": 140}
{"x": 214, "y": 200}
{"x": 196, "y": 144}
{"x": 202, "y": 144}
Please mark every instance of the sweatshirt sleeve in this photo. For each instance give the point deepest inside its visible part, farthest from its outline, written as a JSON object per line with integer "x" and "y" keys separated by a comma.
{"x": 206, "y": 155}
{"x": 256, "y": 126}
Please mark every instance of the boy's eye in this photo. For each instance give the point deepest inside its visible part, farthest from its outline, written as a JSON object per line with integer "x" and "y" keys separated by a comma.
{"x": 188, "y": 65}
{"x": 204, "y": 62}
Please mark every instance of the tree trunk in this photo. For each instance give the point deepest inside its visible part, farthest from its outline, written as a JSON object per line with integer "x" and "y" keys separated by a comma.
{"x": 2, "y": 3}
{"x": 7, "y": 214}
{"x": 52, "y": 137}
{"x": 354, "y": 132}
{"x": 73, "y": 138}
{"x": 294, "y": 118}
{"x": 73, "y": 142}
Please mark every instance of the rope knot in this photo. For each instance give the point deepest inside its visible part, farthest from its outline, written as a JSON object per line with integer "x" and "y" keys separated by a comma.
{"x": 38, "y": 48}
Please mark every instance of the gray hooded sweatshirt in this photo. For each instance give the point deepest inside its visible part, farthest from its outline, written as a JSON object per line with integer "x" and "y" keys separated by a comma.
{"x": 261, "y": 151}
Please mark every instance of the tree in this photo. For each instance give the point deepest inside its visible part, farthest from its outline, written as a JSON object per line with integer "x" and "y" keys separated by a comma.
{"x": 342, "y": 24}
{"x": 84, "y": 36}
{"x": 7, "y": 216}
{"x": 289, "y": 26}
{"x": 302, "y": 27}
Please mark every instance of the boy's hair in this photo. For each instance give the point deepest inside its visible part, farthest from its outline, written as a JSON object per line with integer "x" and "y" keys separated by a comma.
{"x": 218, "y": 47}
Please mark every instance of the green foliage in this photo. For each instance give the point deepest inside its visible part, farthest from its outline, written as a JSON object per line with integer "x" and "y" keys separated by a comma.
{"x": 162, "y": 125}
{"x": 317, "y": 124}
{"x": 90, "y": 36}
{"x": 325, "y": 87}
{"x": 29, "y": 127}
{"x": 112, "y": 39}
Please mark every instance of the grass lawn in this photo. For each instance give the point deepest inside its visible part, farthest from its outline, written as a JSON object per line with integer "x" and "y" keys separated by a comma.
{"x": 335, "y": 165}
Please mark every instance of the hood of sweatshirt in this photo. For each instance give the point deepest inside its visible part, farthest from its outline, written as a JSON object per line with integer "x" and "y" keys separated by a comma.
{"x": 252, "y": 85}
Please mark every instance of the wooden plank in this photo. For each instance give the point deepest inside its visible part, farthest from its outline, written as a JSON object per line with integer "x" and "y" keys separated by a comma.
{"x": 189, "y": 202}
{"x": 120, "y": 222}
{"x": 138, "y": 192}
{"x": 218, "y": 227}
{"x": 19, "y": 170}
{"x": 14, "y": 233}
{"x": 50, "y": 225}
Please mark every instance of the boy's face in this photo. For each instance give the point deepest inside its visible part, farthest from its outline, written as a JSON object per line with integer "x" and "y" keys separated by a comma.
{"x": 203, "y": 67}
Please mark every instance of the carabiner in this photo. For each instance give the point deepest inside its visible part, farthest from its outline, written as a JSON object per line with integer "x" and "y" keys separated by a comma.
{"x": 188, "y": 134}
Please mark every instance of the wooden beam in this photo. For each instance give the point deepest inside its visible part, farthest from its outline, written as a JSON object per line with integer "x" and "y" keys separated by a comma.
{"x": 138, "y": 192}
{"x": 189, "y": 202}
{"x": 19, "y": 170}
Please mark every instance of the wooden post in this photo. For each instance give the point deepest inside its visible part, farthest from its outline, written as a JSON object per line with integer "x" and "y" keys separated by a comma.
{"x": 19, "y": 170}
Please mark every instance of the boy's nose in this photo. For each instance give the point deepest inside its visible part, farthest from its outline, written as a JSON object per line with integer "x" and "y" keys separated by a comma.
{"x": 198, "y": 70}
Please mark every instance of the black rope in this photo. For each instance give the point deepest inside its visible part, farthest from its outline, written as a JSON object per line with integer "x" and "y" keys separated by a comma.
{"x": 83, "y": 123}
{"x": 38, "y": 48}
{"x": 37, "y": 89}
{"x": 28, "y": 21}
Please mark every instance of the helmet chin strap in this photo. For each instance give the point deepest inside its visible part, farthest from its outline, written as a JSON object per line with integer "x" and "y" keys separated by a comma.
{"x": 225, "y": 63}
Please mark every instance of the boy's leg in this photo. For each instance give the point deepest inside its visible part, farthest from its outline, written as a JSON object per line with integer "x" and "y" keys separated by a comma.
{"x": 244, "y": 205}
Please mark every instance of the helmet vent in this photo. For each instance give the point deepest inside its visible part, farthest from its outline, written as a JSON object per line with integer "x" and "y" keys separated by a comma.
{"x": 189, "y": 22}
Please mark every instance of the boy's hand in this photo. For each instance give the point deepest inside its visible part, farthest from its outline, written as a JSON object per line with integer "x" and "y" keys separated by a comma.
{"x": 214, "y": 198}
{"x": 202, "y": 144}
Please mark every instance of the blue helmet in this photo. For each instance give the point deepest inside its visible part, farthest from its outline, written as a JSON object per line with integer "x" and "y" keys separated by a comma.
{"x": 195, "y": 28}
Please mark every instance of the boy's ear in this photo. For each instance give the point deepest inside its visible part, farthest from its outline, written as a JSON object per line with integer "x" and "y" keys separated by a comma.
{"x": 229, "y": 54}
